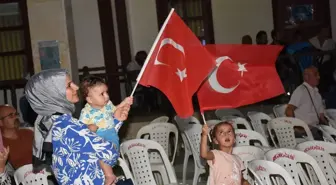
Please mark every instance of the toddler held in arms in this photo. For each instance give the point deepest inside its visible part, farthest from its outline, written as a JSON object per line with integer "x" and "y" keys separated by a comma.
{"x": 225, "y": 168}
{"x": 97, "y": 114}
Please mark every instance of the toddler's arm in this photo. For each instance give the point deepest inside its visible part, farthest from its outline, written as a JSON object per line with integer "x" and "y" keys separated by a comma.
{"x": 93, "y": 127}
{"x": 86, "y": 118}
{"x": 208, "y": 155}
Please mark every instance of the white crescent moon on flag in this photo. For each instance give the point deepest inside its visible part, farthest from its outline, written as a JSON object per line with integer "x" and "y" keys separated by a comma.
{"x": 213, "y": 81}
{"x": 171, "y": 42}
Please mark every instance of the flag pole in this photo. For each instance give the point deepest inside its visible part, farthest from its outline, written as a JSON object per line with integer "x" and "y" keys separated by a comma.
{"x": 202, "y": 114}
{"x": 152, "y": 50}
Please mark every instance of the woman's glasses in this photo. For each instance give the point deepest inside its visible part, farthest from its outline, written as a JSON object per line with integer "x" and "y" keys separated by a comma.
{"x": 11, "y": 115}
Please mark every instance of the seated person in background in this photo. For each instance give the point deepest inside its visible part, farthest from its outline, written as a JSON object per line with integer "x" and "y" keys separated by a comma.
{"x": 275, "y": 38}
{"x": 306, "y": 102}
{"x": 261, "y": 38}
{"x": 135, "y": 66}
{"x": 19, "y": 141}
{"x": 247, "y": 39}
{"x": 133, "y": 69}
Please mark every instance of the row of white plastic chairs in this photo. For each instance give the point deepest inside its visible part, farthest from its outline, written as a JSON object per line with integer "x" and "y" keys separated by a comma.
{"x": 281, "y": 153}
{"x": 310, "y": 163}
{"x": 259, "y": 121}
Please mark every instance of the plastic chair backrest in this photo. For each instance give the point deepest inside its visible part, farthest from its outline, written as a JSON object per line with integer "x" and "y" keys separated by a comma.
{"x": 279, "y": 110}
{"x": 160, "y": 132}
{"x": 289, "y": 159}
{"x": 185, "y": 123}
{"x": 211, "y": 123}
{"x": 247, "y": 154}
{"x": 330, "y": 130}
{"x": 238, "y": 122}
{"x": 259, "y": 122}
{"x": 284, "y": 131}
{"x": 25, "y": 176}
{"x": 194, "y": 137}
{"x": 228, "y": 112}
{"x": 322, "y": 151}
{"x": 263, "y": 171}
{"x": 135, "y": 152}
{"x": 331, "y": 113}
{"x": 126, "y": 170}
{"x": 161, "y": 119}
{"x": 245, "y": 137}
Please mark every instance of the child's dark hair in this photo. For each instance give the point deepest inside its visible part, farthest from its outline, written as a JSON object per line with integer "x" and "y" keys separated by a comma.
{"x": 89, "y": 82}
{"x": 214, "y": 130}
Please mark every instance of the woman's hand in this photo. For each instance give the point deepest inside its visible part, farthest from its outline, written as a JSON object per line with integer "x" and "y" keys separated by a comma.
{"x": 121, "y": 113}
{"x": 3, "y": 159}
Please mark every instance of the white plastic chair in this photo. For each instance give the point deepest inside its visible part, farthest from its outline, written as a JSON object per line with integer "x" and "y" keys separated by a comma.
{"x": 211, "y": 123}
{"x": 160, "y": 132}
{"x": 266, "y": 172}
{"x": 126, "y": 170}
{"x": 185, "y": 124}
{"x": 246, "y": 137}
{"x": 161, "y": 119}
{"x": 279, "y": 110}
{"x": 330, "y": 130}
{"x": 238, "y": 122}
{"x": 259, "y": 122}
{"x": 284, "y": 131}
{"x": 322, "y": 151}
{"x": 247, "y": 154}
{"x": 135, "y": 152}
{"x": 194, "y": 138}
{"x": 292, "y": 160}
{"x": 331, "y": 113}
{"x": 328, "y": 134}
{"x": 228, "y": 112}
{"x": 25, "y": 176}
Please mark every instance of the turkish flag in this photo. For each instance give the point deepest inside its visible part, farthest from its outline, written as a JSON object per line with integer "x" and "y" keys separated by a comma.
{"x": 177, "y": 64}
{"x": 245, "y": 75}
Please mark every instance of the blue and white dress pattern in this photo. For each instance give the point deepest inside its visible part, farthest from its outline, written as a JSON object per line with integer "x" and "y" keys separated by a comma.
{"x": 76, "y": 152}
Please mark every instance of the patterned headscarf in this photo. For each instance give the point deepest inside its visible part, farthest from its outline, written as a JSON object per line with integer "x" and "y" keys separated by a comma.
{"x": 46, "y": 93}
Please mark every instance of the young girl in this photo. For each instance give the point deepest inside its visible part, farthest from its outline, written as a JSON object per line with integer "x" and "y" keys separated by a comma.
{"x": 97, "y": 114}
{"x": 225, "y": 168}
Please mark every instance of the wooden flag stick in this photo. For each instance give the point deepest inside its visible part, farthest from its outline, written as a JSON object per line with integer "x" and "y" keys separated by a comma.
{"x": 204, "y": 121}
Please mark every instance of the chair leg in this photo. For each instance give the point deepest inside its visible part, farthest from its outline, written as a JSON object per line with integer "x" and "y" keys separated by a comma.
{"x": 196, "y": 175}
{"x": 185, "y": 166}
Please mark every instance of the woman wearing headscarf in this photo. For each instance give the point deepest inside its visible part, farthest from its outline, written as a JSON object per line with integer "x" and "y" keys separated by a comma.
{"x": 74, "y": 148}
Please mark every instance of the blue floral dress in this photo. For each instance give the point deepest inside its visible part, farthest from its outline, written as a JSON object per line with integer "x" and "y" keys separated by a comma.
{"x": 76, "y": 152}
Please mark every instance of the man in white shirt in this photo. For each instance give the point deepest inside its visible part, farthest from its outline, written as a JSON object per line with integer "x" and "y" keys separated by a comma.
{"x": 323, "y": 42}
{"x": 306, "y": 102}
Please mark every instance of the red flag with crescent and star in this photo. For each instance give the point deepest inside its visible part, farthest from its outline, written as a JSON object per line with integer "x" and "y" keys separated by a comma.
{"x": 177, "y": 64}
{"x": 245, "y": 74}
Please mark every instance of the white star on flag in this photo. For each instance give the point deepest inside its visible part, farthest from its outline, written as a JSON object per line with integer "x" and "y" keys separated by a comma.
{"x": 181, "y": 74}
{"x": 241, "y": 68}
